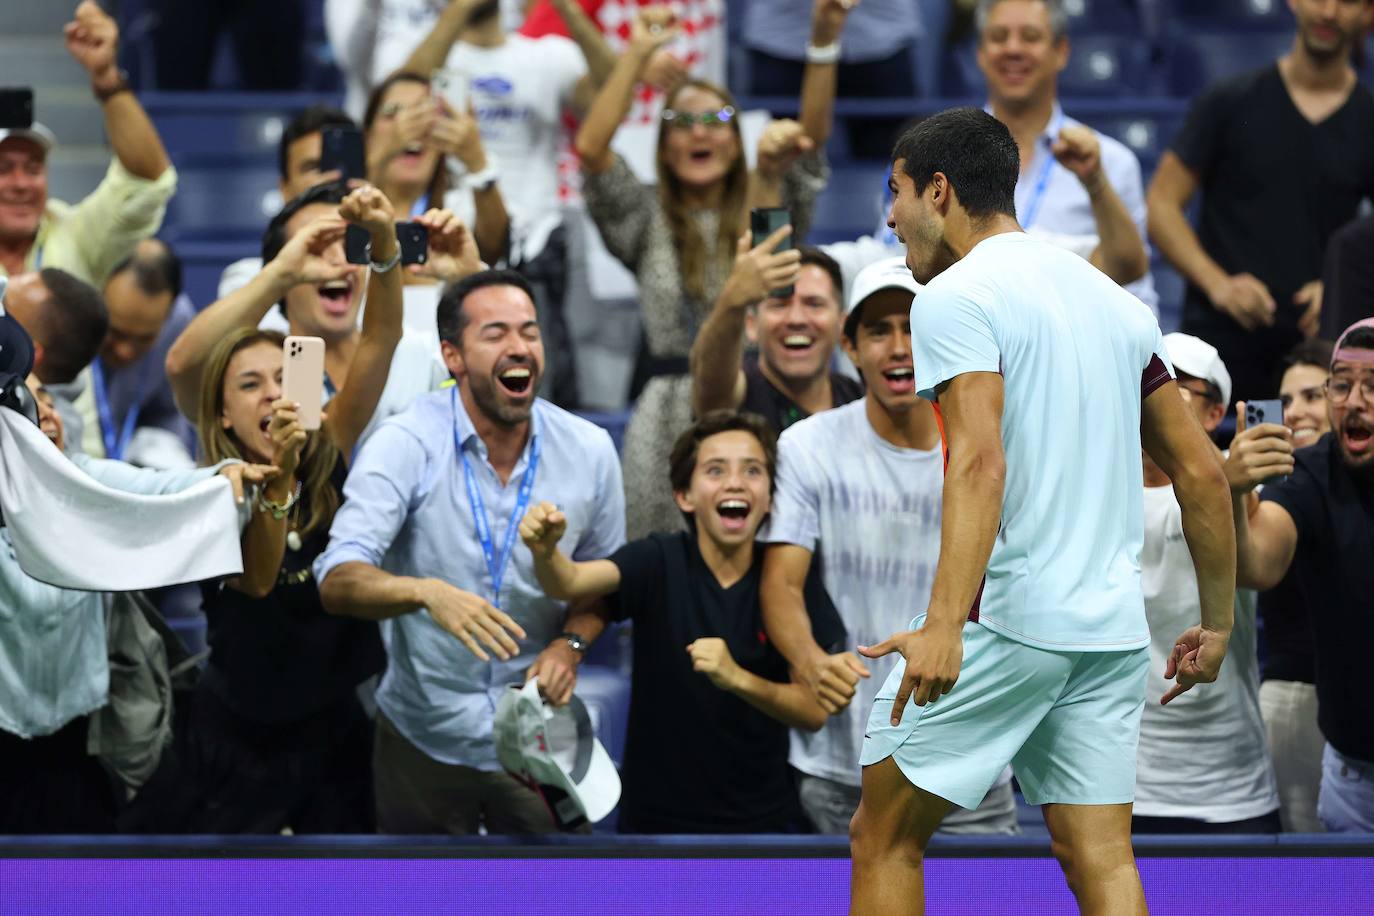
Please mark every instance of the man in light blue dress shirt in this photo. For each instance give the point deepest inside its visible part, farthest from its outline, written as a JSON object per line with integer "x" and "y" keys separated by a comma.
{"x": 1078, "y": 189}
{"x": 427, "y": 542}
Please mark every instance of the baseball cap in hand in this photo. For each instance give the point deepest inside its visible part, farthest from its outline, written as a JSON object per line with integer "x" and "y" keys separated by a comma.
{"x": 554, "y": 750}
{"x": 1196, "y": 357}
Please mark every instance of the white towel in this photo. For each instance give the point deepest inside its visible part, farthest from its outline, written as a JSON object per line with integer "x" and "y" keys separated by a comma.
{"x": 74, "y": 532}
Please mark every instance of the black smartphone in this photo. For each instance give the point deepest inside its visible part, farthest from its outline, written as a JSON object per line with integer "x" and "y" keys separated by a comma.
{"x": 1257, "y": 412}
{"x": 16, "y": 108}
{"x": 763, "y": 222}
{"x": 412, "y": 237}
{"x": 414, "y": 241}
{"x": 356, "y": 240}
{"x": 341, "y": 150}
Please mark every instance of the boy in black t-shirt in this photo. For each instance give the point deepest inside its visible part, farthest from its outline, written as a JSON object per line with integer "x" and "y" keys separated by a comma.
{"x": 712, "y": 700}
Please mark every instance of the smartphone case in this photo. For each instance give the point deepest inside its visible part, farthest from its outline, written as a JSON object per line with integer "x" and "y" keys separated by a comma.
{"x": 302, "y": 377}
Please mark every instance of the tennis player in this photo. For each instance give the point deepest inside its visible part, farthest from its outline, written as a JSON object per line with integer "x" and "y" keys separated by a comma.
{"x": 1049, "y": 379}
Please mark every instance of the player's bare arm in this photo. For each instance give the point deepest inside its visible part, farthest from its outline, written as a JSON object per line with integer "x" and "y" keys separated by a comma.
{"x": 1172, "y": 437}
{"x": 971, "y": 405}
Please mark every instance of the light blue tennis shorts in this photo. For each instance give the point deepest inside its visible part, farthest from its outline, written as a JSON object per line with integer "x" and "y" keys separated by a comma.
{"x": 1068, "y": 722}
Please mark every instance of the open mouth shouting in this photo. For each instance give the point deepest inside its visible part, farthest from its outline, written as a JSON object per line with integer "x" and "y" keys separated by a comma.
{"x": 900, "y": 380}
{"x": 734, "y": 514}
{"x": 337, "y": 297}
{"x": 1357, "y": 436}
{"x": 516, "y": 380}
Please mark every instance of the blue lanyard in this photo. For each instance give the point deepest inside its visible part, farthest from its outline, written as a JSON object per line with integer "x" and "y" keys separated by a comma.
{"x": 116, "y": 443}
{"x": 1038, "y": 193}
{"x": 496, "y": 565}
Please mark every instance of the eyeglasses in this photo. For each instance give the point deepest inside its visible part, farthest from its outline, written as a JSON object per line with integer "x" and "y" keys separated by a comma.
{"x": 1204, "y": 391}
{"x": 1338, "y": 390}
{"x": 686, "y": 120}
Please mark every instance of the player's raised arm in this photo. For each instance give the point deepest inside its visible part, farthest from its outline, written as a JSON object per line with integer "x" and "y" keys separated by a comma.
{"x": 1172, "y": 437}
{"x": 971, "y": 405}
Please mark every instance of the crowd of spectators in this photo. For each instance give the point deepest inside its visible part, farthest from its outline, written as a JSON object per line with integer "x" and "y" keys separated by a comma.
{"x": 453, "y": 527}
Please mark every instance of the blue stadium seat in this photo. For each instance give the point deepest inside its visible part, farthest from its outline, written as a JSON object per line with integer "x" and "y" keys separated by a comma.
{"x": 1103, "y": 16}
{"x": 1230, "y": 14}
{"x": 851, "y": 204}
{"x": 1106, "y": 64}
{"x": 224, "y": 199}
{"x": 1170, "y": 286}
{"x": 1148, "y": 136}
{"x": 1101, "y": 64}
{"x": 1198, "y": 59}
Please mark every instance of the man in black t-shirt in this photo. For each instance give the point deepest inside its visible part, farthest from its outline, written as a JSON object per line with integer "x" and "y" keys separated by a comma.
{"x": 1283, "y": 156}
{"x": 711, "y": 698}
{"x": 790, "y": 378}
{"x": 1319, "y": 521}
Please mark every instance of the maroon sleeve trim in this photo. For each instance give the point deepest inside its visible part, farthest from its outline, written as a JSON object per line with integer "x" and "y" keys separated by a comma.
{"x": 1155, "y": 375}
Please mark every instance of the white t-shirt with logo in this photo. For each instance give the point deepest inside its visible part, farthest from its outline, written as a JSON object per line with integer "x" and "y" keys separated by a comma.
{"x": 870, "y": 512}
{"x": 1075, "y": 352}
{"x": 519, "y": 90}
{"x": 1205, "y": 755}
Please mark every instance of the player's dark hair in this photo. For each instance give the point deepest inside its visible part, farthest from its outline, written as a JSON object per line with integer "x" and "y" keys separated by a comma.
{"x": 974, "y": 150}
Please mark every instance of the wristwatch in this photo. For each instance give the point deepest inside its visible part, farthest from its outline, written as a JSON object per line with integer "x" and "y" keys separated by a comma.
{"x": 384, "y": 267}
{"x": 579, "y": 645}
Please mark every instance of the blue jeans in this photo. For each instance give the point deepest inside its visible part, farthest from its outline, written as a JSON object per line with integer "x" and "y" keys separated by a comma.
{"x": 1346, "y": 803}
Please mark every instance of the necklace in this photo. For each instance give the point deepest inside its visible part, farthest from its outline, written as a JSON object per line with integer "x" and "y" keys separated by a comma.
{"x": 293, "y": 537}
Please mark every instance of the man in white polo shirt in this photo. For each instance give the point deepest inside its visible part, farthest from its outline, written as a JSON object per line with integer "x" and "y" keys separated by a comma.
{"x": 859, "y": 494}
{"x": 1225, "y": 783}
{"x": 1049, "y": 379}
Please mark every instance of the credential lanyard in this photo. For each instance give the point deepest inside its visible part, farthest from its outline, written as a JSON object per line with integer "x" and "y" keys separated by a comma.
{"x": 1038, "y": 192}
{"x": 496, "y": 565}
{"x": 1042, "y": 181}
{"x": 116, "y": 441}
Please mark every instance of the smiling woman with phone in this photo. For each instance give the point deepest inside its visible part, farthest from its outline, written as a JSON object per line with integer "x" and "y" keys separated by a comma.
{"x": 680, "y": 239}
{"x": 278, "y": 737}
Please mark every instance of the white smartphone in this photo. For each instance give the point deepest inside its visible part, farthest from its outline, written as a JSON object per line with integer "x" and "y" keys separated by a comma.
{"x": 302, "y": 377}
{"x": 452, "y": 87}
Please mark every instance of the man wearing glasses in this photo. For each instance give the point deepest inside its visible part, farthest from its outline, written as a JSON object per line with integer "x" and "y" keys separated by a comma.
{"x": 1320, "y": 521}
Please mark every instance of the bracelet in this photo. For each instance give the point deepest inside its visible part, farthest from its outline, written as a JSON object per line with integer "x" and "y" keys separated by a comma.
{"x": 825, "y": 54}
{"x": 388, "y": 264}
{"x": 481, "y": 181}
{"x": 278, "y": 510}
{"x": 121, "y": 85}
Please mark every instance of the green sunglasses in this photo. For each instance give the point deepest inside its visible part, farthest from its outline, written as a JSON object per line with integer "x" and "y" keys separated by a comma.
{"x": 687, "y": 120}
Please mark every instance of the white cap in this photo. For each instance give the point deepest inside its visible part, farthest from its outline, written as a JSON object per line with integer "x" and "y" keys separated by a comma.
{"x": 1196, "y": 357}
{"x": 37, "y": 133}
{"x": 553, "y": 749}
{"x": 889, "y": 273}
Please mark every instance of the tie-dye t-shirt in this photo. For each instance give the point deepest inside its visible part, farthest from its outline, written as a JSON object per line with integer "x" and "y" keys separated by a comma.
{"x": 870, "y": 513}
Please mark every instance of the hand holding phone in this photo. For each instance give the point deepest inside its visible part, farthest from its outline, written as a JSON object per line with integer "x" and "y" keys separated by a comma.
{"x": 451, "y": 86}
{"x": 341, "y": 150}
{"x": 302, "y": 377}
{"x": 763, "y": 222}
{"x": 412, "y": 237}
{"x": 1257, "y": 412}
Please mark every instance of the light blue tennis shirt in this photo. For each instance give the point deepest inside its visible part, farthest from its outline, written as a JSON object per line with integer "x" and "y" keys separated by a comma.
{"x": 1051, "y": 201}
{"x": 406, "y": 510}
{"x": 1077, "y": 354}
